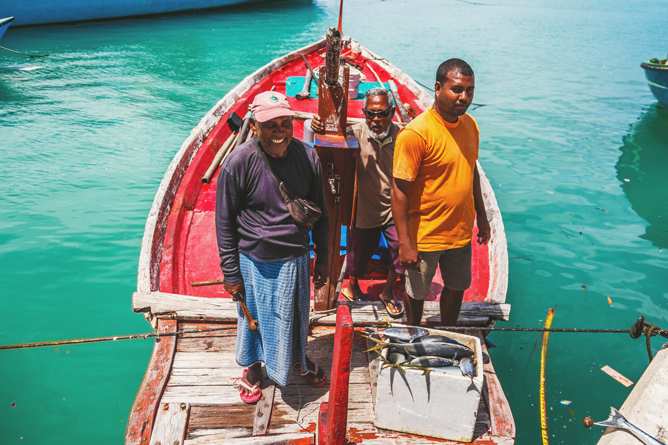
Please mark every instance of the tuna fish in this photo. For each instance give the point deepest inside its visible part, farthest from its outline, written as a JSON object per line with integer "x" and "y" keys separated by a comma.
{"x": 445, "y": 350}
{"x": 467, "y": 367}
{"x": 436, "y": 339}
{"x": 403, "y": 334}
{"x": 428, "y": 361}
{"x": 396, "y": 356}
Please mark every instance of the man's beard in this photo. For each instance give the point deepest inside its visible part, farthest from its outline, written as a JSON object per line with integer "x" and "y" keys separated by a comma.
{"x": 379, "y": 136}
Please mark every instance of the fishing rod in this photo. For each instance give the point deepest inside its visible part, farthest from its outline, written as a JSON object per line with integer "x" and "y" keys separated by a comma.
{"x": 639, "y": 328}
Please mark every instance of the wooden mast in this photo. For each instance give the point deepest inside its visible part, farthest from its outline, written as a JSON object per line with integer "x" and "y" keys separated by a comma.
{"x": 338, "y": 157}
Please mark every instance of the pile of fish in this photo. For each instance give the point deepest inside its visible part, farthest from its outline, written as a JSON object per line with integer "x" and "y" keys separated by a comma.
{"x": 416, "y": 348}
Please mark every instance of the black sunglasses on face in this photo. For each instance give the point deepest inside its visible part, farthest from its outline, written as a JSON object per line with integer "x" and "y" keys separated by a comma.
{"x": 382, "y": 113}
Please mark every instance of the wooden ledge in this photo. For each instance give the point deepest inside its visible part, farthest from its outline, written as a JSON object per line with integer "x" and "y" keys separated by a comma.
{"x": 185, "y": 307}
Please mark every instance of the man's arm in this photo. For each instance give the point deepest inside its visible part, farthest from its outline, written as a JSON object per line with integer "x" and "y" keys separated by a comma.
{"x": 409, "y": 257}
{"x": 227, "y": 206}
{"x": 484, "y": 231}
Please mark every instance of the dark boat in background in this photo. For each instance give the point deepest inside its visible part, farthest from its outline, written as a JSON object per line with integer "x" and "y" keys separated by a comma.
{"x": 656, "y": 72}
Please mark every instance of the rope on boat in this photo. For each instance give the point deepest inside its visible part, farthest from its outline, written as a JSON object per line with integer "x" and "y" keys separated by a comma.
{"x": 641, "y": 327}
{"x": 77, "y": 341}
{"x": 23, "y": 54}
{"x": 543, "y": 357}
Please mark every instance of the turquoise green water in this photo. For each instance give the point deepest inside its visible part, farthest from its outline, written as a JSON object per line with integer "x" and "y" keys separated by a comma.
{"x": 85, "y": 140}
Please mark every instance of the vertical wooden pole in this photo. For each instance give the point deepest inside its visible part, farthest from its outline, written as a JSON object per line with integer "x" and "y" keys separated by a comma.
{"x": 340, "y": 17}
{"x": 338, "y": 159}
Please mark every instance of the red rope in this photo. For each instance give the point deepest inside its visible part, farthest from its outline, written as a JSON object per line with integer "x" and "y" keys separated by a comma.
{"x": 340, "y": 16}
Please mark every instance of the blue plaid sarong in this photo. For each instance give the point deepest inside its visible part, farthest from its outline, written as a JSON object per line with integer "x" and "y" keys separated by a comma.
{"x": 278, "y": 297}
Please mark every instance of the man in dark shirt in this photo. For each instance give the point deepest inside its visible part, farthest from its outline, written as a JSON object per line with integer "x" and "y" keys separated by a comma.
{"x": 264, "y": 252}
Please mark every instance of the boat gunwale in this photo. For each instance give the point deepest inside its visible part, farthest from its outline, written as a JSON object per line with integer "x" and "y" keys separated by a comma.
{"x": 654, "y": 66}
{"x": 148, "y": 274}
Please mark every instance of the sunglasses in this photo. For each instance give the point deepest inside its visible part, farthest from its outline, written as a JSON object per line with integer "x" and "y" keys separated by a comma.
{"x": 383, "y": 113}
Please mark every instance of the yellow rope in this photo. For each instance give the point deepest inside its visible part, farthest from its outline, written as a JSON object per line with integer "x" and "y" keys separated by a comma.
{"x": 543, "y": 355}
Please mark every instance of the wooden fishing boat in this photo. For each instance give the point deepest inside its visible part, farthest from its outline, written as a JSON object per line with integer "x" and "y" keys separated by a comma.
{"x": 187, "y": 394}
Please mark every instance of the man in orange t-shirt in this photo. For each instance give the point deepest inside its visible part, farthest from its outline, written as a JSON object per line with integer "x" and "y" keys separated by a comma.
{"x": 436, "y": 194}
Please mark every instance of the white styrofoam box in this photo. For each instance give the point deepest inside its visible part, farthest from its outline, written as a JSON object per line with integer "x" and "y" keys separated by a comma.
{"x": 440, "y": 404}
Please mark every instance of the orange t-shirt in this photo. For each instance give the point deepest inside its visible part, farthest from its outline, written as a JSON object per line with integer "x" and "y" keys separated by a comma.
{"x": 439, "y": 158}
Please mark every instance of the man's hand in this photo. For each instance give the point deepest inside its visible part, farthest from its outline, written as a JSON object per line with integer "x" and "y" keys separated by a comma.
{"x": 484, "y": 231}
{"x": 409, "y": 257}
{"x": 238, "y": 291}
{"x": 320, "y": 275}
{"x": 316, "y": 125}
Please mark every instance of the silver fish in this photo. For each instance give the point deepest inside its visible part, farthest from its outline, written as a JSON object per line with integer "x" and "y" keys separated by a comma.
{"x": 616, "y": 420}
{"x": 446, "y": 350}
{"x": 467, "y": 367}
{"x": 429, "y": 361}
{"x": 436, "y": 339}
{"x": 403, "y": 334}
{"x": 396, "y": 356}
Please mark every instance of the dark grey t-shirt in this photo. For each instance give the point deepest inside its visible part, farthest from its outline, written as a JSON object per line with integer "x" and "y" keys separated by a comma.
{"x": 251, "y": 216}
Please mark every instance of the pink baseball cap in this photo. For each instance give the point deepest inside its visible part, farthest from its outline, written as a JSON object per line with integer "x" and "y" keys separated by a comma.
{"x": 270, "y": 105}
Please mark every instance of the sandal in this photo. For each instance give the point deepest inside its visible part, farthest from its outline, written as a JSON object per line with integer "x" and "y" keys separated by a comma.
{"x": 395, "y": 303}
{"x": 245, "y": 397}
{"x": 349, "y": 296}
{"x": 315, "y": 374}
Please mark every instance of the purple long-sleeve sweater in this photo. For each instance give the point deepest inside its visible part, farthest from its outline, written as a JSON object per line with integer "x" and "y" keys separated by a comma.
{"x": 251, "y": 216}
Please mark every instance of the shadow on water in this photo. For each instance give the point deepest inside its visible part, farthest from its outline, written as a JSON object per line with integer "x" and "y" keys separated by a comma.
{"x": 642, "y": 171}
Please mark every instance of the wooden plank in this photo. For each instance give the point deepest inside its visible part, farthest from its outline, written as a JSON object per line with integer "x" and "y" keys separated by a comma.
{"x": 469, "y": 308}
{"x": 142, "y": 415}
{"x": 234, "y": 432}
{"x": 239, "y": 415}
{"x": 264, "y": 406}
{"x": 170, "y": 424}
{"x": 277, "y": 439}
{"x": 617, "y": 376}
{"x": 228, "y": 375}
{"x": 374, "y": 364}
{"x": 162, "y": 304}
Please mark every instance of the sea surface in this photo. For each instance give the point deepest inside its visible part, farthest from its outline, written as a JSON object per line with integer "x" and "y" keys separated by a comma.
{"x": 572, "y": 141}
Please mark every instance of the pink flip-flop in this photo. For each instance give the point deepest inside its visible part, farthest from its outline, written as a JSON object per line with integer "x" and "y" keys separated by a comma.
{"x": 253, "y": 398}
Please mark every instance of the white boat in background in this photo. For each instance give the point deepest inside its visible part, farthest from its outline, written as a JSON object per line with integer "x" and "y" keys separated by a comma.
{"x": 4, "y": 24}
{"x": 59, "y": 11}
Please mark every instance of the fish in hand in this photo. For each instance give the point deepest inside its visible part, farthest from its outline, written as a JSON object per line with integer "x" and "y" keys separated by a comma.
{"x": 616, "y": 420}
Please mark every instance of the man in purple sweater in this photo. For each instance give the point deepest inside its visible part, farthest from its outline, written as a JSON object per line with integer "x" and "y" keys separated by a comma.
{"x": 264, "y": 253}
